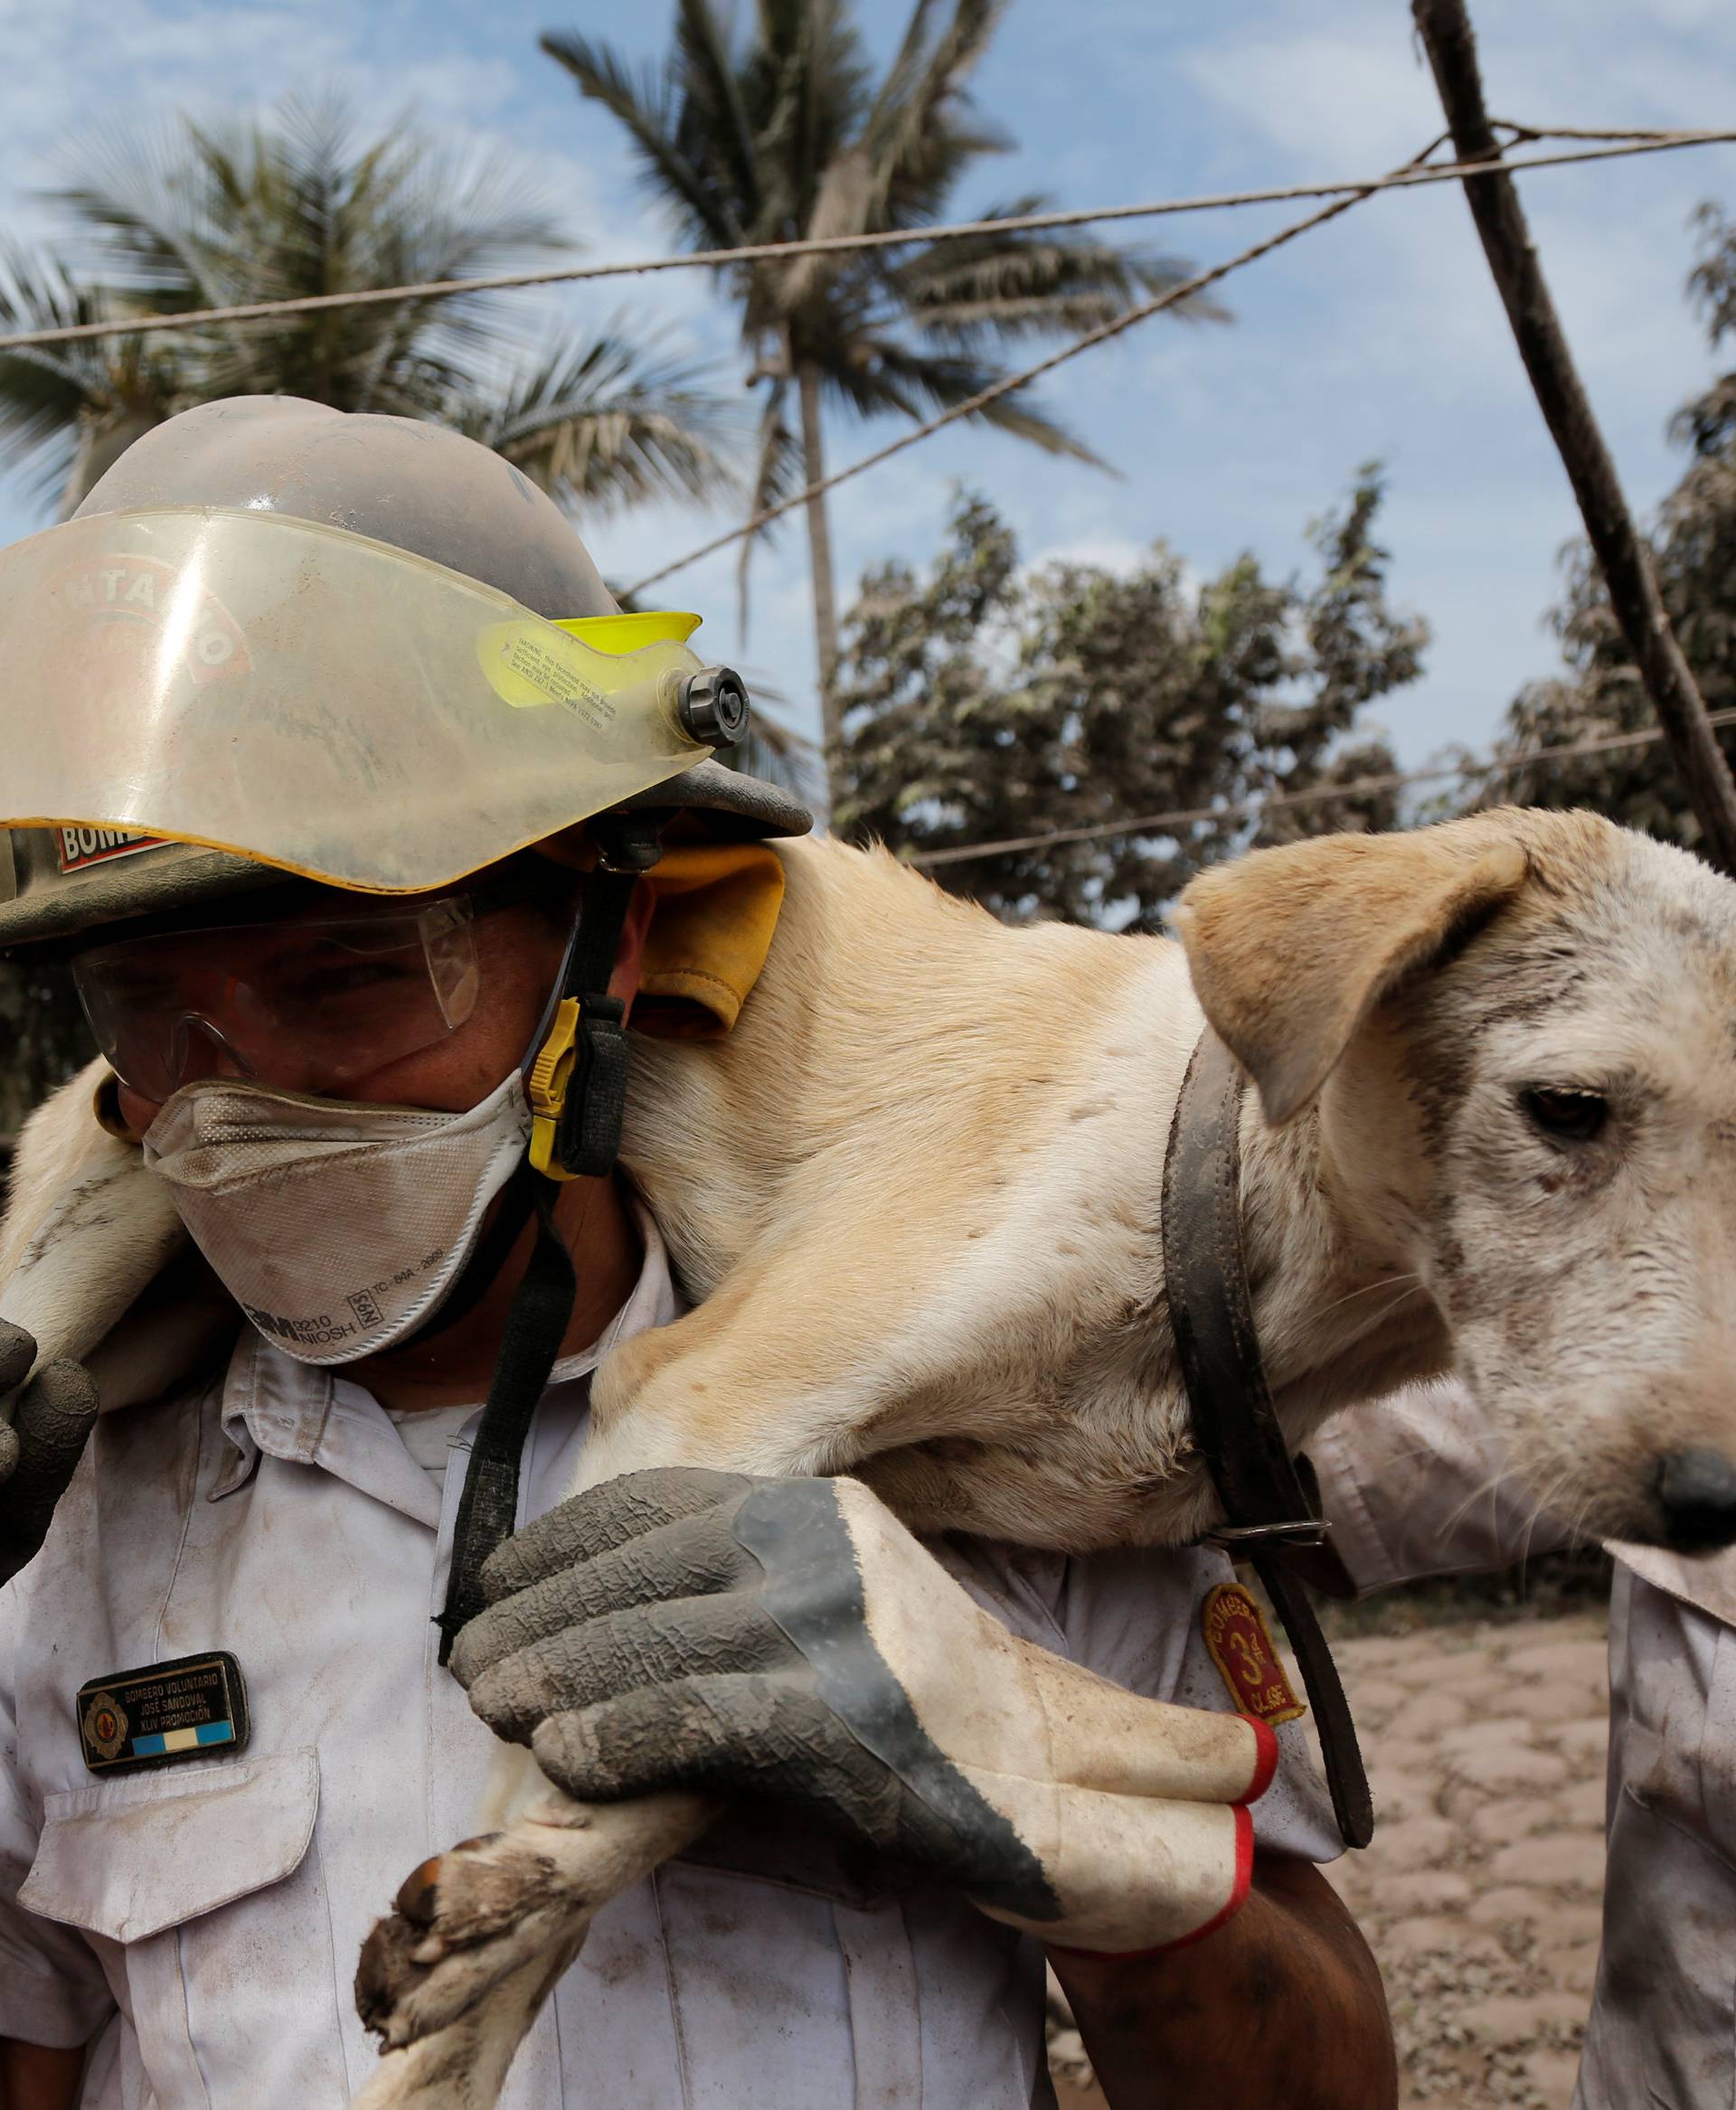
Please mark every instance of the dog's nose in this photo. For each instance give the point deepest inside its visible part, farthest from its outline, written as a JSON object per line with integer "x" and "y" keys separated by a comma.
{"x": 1696, "y": 1491}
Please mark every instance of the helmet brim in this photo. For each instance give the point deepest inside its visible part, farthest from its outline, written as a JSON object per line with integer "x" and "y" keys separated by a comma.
{"x": 743, "y": 807}
{"x": 175, "y": 877}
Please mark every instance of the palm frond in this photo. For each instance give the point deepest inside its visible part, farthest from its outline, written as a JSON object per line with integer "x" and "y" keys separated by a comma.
{"x": 644, "y": 106}
{"x": 1014, "y": 414}
{"x": 907, "y": 67}
{"x": 605, "y": 426}
{"x": 1025, "y": 283}
{"x": 903, "y": 378}
{"x": 129, "y": 212}
{"x": 830, "y": 74}
{"x": 299, "y": 202}
{"x": 715, "y": 105}
{"x": 854, "y": 181}
{"x": 60, "y": 403}
{"x": 922, "y": 100}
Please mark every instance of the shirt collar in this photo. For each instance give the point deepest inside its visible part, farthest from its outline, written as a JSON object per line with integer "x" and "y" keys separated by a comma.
{"x": 653, "y": 1301}
{"x": 311, "y": 1415}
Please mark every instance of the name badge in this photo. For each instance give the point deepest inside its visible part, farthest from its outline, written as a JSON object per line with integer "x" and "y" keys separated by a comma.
{"x": 193, "y": 1707}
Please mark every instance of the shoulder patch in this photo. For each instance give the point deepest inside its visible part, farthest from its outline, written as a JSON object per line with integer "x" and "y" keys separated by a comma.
{"x": 1242, "y": 1649}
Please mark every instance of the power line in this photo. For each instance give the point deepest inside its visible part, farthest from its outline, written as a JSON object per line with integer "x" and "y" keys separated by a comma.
{"x": 1315, "y": 795}
{"x": 1009, "y": 384}
{"x": 1113, "y": 328}
{"x": 1620, "y": 146}
{"x": 1519, "y": 133}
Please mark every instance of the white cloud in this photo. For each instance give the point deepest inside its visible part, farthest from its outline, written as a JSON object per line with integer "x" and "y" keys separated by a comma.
{"x": 1346, "y": 102}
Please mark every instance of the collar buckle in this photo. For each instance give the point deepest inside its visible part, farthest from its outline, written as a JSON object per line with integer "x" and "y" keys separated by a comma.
{"x": 1291, "y": 1532}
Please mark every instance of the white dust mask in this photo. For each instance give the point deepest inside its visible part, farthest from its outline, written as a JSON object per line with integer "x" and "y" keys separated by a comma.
{"x": 337, "y": 1228}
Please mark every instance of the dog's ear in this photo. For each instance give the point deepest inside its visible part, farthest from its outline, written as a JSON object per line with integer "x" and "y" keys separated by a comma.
{"x": 1291, "y": 949}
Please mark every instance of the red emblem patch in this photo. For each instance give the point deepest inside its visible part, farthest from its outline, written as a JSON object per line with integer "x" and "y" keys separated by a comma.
{"x": 1242, "y": 1650}
{"x": 141, "y": 594}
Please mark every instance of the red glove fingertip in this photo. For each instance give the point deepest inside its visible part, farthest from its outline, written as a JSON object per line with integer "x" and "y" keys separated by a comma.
{"x": 1265, "y": 1758}
{"x": 1244, "y": 1879}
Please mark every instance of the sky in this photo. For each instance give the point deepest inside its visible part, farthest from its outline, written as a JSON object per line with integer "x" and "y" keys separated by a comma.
{"x": 1378, "y": 337}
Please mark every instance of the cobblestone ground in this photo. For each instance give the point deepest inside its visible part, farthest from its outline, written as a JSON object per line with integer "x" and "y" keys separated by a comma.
{"x": 1479, "y": 1895}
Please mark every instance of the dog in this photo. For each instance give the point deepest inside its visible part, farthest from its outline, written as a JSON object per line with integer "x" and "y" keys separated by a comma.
{"x": 916, "y": 1196}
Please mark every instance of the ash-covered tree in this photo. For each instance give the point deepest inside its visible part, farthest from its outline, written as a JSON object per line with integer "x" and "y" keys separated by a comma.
{"x": 985, "y": 702}
{"x": 775, "y": 122}
{"x": 1599, "y": 691}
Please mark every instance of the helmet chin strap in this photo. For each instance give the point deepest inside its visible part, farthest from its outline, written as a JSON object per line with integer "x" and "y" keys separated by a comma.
{"x": 576, "y": 1087}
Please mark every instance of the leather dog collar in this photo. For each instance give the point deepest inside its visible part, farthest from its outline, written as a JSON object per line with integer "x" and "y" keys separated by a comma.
{"x": 1266, "y": 1506}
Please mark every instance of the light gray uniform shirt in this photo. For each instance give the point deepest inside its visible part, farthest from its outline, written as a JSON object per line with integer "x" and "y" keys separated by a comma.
{"x": 1416, "y": 1487}
{"x": 204, "y": 1920}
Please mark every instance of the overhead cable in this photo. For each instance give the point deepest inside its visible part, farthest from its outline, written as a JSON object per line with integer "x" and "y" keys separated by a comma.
{"x": 1009, "y": 384}
{"x": 1314, "y": 794}
{"x": 256, "y": 311}
{"x": 1417, "y": 166}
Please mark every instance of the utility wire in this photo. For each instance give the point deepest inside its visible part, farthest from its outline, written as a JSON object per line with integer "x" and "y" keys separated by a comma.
{"x": 1010, "y": 384}
{"x": 1408, "y": 172}
{"x": 1620, "y": 146}
{"x": 1606, "y": 146}
{"x": 1519, "y": 132}
{"x": 1315, "y": 795}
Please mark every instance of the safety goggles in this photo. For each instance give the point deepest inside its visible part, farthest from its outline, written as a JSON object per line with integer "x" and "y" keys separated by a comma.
{"x": 310, "y": 1003}
{"x": 317, "y": 701}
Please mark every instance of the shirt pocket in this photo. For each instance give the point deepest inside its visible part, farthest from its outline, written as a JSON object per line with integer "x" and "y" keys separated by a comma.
{"x": 199, "y": 1888}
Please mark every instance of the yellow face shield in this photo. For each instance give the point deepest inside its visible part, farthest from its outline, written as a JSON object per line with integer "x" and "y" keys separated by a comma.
{"x": 316, "y": 701}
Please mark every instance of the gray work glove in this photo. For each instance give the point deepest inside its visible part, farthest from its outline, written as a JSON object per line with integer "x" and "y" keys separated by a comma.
{"x": 41, "y": 1440}
{"x": 682, "y": 1628}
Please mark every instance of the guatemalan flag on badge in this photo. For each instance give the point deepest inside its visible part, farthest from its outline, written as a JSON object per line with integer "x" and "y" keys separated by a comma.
{"x": 193, "y": 1707}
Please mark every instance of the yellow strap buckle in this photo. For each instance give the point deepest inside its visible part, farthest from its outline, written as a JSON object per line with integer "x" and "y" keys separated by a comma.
{"x": 546, "y": 1088}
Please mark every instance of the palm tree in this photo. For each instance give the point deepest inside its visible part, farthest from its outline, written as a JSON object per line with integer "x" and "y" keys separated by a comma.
{"x": 300, "y": 205}
{"x": 781, "y": 133}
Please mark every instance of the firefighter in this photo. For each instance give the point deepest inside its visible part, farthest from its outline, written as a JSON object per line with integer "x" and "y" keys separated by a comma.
{"x": 371, "y": 820}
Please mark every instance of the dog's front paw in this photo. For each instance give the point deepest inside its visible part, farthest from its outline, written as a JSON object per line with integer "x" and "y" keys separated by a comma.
{"x": 465, "y": 1921}
{"x": 468, "y": 1919}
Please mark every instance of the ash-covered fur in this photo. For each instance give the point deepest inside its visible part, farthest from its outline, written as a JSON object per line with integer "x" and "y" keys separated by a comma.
{"x": 919, "y": 1187}
{"x": 1588, "y": 1289}
{"x": 94, "y": 1263}
{"x": 918, "y": 1190}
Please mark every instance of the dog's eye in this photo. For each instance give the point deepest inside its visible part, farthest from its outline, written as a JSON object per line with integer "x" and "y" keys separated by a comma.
{"x": 1572, "y": 1116}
